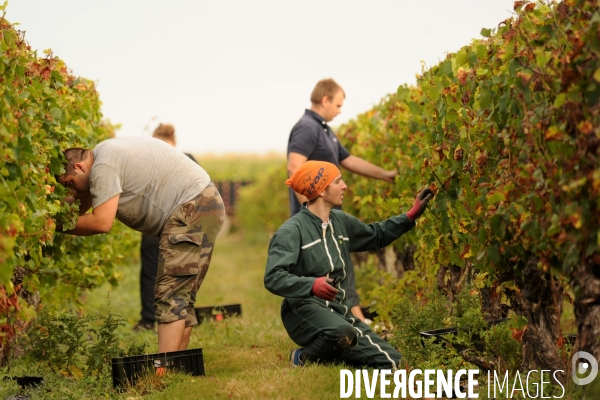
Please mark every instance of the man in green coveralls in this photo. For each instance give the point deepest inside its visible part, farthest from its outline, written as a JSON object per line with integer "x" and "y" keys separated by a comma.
{"x": 308, "y": 260}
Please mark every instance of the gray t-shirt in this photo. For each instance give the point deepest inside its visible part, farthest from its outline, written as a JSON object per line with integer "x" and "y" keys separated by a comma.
{"x": 152, "y": 177}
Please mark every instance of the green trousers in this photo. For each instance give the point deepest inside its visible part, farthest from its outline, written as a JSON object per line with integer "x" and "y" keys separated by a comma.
{"x": 329, "y": 336}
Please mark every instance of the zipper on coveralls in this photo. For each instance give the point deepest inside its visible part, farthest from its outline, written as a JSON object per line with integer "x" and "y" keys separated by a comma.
{"x": 394, "y": 366}
{"x": 343, "y": 269}
{"x": 324, "y": 227}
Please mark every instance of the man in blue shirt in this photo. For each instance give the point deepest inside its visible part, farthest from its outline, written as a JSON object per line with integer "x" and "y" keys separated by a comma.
{"x": 312, "y": 139}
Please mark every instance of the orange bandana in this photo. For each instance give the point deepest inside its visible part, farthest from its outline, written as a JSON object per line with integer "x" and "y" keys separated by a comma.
{"x": 312, "y": 178}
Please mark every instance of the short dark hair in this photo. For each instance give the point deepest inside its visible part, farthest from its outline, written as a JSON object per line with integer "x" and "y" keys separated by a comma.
{"x": 325, "y": 88}
{"x": 73, "y": 156}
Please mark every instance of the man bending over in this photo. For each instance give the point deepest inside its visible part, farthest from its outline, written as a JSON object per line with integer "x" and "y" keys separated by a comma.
{"x": 156, "y": 189}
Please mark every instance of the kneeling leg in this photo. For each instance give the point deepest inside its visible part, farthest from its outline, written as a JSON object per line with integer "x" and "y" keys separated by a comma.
{"x": 330, "y": 345}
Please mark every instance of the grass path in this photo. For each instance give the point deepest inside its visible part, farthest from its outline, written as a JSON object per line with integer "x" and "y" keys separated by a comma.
{"x": 244, "y": 357}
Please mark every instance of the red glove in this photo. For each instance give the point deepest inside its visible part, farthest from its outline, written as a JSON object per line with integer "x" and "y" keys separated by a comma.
{"x": 323, "y": 290}
{"x": 420, "y": 204}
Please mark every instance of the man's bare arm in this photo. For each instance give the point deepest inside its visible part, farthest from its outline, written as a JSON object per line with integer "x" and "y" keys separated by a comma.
{"x": 100, "y": 220}
{"x": 365, "y": 168}
{"x": 295, "y": 160}
{"x": 357, "y": 312}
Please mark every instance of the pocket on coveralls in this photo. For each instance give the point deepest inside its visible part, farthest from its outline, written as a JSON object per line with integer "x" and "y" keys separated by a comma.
{"x": 183, "y": 256}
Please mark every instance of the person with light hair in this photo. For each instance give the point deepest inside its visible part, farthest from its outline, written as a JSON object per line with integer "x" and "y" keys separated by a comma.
{"x": 308, "y": 263}
{"x": 312, "y": 139}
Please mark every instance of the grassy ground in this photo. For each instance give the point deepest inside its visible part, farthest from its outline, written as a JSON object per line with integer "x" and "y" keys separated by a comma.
{"x": 244, "y": 357}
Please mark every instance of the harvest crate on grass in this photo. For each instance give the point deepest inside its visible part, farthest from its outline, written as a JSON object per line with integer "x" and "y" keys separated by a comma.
{"x": 366, "y": 310}
{"x": 26, "y": 381}
{"x": 218, "y": 313}
{"x": 126, "y": 370}
{"x": 229, "y": 192}
{"x": 438, "y": 335}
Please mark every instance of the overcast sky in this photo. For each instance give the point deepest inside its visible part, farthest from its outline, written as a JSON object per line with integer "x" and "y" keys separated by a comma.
{"x": 235, "y": 76}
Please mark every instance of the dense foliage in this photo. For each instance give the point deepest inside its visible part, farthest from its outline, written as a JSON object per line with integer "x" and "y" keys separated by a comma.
{"x": 44, "y": 109}
{"x": 506, "y": 131}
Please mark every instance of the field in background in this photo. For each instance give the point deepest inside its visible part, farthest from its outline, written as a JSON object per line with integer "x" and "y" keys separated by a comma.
{"x": 238, "y": 167}
{"x": 253, "y": 189}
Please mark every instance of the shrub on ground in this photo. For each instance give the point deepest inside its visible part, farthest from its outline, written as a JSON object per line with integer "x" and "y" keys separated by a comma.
{"x": 44, "y": 109}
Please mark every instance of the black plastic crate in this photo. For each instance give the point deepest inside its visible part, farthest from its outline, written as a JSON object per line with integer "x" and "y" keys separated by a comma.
{"x": 368, "y": 313}
{"x": 126, "y": 370}
{"x": 26, "y": 381}
{"x": 438, "y": 335}
{"x": 218, "y": 313}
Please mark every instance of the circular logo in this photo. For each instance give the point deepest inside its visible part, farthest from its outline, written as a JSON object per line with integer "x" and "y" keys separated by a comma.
{"x": 584, "y": 368}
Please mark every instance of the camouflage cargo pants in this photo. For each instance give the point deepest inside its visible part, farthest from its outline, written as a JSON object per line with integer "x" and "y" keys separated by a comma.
{"x": 185, "y": 250}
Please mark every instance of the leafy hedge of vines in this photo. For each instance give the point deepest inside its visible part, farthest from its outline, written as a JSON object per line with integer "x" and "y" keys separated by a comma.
{"x": 507, "y": 131}
{"x": 44, "y": 109}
